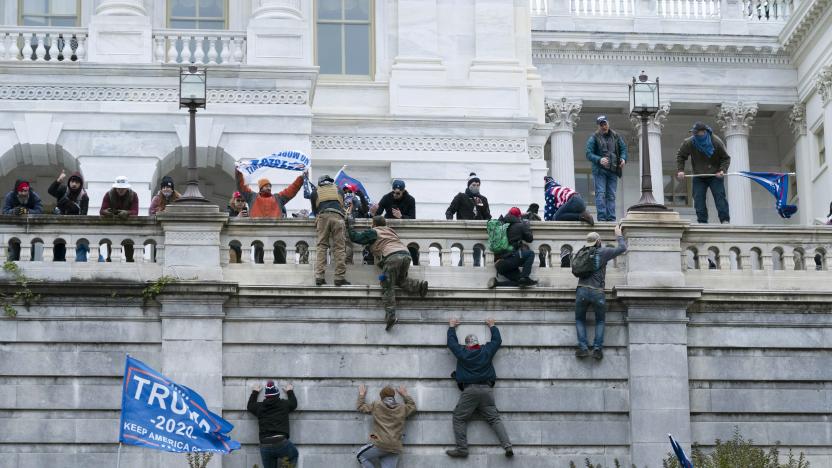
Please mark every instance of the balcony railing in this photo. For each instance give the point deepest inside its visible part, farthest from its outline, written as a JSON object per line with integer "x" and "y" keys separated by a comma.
{"x": 752, "y": 10}
{"x": 689, "y": 9}
{"x": 200, "y": 47}
{"x": 55, "y": 45}
{"x": 602, "y": 7}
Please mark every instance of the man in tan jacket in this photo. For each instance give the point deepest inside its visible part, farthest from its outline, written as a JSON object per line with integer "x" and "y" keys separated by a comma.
{"x": 388, "y": 426}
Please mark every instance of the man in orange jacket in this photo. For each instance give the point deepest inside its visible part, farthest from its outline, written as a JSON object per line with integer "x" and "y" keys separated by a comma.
{"x": 264, "y": 204}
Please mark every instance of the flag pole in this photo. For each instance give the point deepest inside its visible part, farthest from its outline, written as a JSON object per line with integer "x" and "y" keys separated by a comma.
{"x": 118, "y": 458}
{"x": 727, "y": 174}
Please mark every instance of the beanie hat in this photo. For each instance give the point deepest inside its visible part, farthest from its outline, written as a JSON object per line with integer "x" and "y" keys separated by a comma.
{"x": 472, "y": 177}
{"x": 262, "y": 182}
{"x": 387, "y": 392}
{"x": 271, "y": 389}
{"x": 22, "y": 185}
{"x": 534, "y": 208}
{"x": 514, "y": 211}
{"x": 398, "y": 184}
{"x": 167, "y": 181}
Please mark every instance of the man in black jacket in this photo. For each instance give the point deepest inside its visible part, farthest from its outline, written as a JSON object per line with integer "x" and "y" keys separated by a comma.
{"x": 273, "y": 420}
{"x": 475, "y": 376}
{"x": 516, "y": 265}
{"x": 470, "y": 205}
{"x": 398, "y": 204}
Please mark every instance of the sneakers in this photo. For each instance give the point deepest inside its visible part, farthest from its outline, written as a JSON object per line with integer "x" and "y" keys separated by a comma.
{"x": 492, "y": 283}
{"x": 597, "y": 354}
{"x": 342, "y": 282}
{"x": 509, "y": 452}
{"x": 581, "y": 353}
{"x": 587, "y": 218}
{"x": 526, "y": 282}
{"x": 457, "y": 453}
{"x": 391, "y": 319}
{"x": 423, "y": 289}
{"x": 320, "y": 281}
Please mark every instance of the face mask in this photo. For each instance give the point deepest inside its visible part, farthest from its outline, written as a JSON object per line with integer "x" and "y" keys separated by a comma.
{"x": 475, "y": 190}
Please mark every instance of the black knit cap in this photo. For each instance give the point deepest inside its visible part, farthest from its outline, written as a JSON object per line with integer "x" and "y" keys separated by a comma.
{"x": 167, "y": 181}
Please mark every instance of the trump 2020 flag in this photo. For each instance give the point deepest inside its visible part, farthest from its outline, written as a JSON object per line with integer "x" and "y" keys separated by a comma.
{"x": 160, "y": 414}
{"x": 778, "y": 185}
{"x": 288, "y": 160}
{"x": 680, "y": 453}
{"x": 341, "y": 178}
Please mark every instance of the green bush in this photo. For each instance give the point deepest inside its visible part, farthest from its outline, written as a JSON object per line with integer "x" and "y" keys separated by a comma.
{"x": 738, "y": 453}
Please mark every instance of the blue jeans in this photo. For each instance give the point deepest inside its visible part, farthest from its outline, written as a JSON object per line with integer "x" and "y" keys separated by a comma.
{"x": 584, "y": 297}
{"x": 571, "y": 210}
{"x": 605, "y": 185}
{"x": 700, "y": 188}
{"x": 273, "y": 455}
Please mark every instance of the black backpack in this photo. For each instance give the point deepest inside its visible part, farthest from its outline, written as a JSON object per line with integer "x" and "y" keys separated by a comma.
{"x": 585, "y": 262}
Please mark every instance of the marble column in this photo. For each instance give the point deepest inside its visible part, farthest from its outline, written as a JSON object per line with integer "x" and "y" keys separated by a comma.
{"x": 276, "y": 9}
{"x": 121, "y": 8}
{"x": 824, "y": 88}
{"x": 802, "y": 163}
{"x": 735, "y": 120}
{"x": 563, "y": 115}
{"x": 655, "y": 124}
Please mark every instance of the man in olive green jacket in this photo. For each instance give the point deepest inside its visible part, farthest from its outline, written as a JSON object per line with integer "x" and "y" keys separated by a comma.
{"x": 388, "y": 426}
{"x": 710, "y": 162}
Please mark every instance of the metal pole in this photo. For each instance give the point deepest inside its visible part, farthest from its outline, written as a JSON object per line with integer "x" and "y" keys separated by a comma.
{"x": 647, "y": 202}
{"x": 192, "y": 193}
{"x": 118, "y": 458}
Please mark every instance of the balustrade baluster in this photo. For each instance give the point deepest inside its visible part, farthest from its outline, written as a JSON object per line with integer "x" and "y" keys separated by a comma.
{"x": 225, "y": 53}
{"x": 81, "y": 49}
{"x": 199, "y": 53}
{"x": 3, "y": 39}
{"x": 47, "y": 253}
{"x": 25, "y": 251}
{"x": 186, "y": 49}
{"x": 27, "y": 47}
{"x": 14, "y": 50}
{"x": 53, "y": 48}
{"x": 173, "y": 54}
{"x": 40, "y": 51}
{"x": 66, "y": 51}
{"x": 159, "y": 51}
{"x": 212, "y": 51}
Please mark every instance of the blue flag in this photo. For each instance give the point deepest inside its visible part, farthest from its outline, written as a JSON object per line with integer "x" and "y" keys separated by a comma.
{"x": 288, "y": 160}
{"x": 341, "y": 178}
{"x": 160, "y": 414}
{"x": 680, "y": 453}
{"x": 778, "y": 185}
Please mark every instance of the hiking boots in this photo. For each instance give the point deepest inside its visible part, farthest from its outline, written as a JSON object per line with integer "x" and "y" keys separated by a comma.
{"x": 587, "y": 218}
{"x": 526, "y": 282}
{"x": 391, "y": 319}
{"x": 423, "y": 289}
{"x": 320, "y": 281}
{"x": 597, "y": 354}
{"x": 582, "y": 353}
{"x": 342, "y": 282}
{"x": 457, "y": 453}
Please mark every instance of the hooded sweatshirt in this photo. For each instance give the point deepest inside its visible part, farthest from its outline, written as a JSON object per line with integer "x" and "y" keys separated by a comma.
{"x": 388, "y": 423}
{"x": 70, "y": 202}
{"x": 272, "y": 413}
{"x": 33, "y": 204}
{"x": 464, "y": 207}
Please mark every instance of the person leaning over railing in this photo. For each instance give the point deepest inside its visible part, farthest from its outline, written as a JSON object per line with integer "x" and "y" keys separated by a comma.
{"x": 470, "y": 205}
{"x": 388, "y": 426}
{"x": 21, "y": 201}
{"x": 165, "y": 197}
{"x": 120, "y": 202}
{"x": 72, "y": 201}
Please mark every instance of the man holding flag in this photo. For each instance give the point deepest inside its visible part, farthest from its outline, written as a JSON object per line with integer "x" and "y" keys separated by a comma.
{"x": 264, "y": 204}
{"x": 710, "y": 162}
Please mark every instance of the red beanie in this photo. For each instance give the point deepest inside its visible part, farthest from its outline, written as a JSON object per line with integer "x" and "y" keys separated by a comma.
{"x": 21, "y": 186}
{"x": 514, "y": 211}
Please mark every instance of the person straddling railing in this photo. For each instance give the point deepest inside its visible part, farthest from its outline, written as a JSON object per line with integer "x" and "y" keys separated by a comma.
{"x": 388, "y": 426}
{"x": 328, "y": 205}
{"x": 475, "y": 376}
{"x": 394, "y": 260}
{"x": 165, "y": 197}
{"x": 607, "y": 152}
{"x": 470, "y": 205}
{"x": 276, "y": 450}
{"x": 564, "y": 204}
{"x": 264, "y": 204}
{"x": 532, "y": 213}
{"x": 72, "y": 201}
{"x": 516, "y": 264}
{"x": 707, "y": 157}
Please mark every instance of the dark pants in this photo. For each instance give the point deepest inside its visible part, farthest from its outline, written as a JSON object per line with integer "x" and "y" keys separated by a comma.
{"x": 585, "y": 297}
{"x": 477, "y": 398}
{"x": 516, "y": 265}
{"x": 717, "y": 186}
{"x": 283, "y": 455}
{"x": 571, "y": 210}
{"x": 395, "y": 274}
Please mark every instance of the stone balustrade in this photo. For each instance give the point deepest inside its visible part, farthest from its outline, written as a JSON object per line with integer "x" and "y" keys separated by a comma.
{"x": 611, "y": 8}
{"x": 32, "y": 44}
{"x": 689, "y": 9}
{"x": 767, "y": 10}
{"x": 752, "y": 10}
{"x": 199, "y": 46}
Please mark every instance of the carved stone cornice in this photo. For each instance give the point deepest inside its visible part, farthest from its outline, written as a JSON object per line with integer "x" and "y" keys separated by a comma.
{"x": 801, "y": 21}
{"x": 823, "y": 84}
{"x": 797, "y": 119}
{"x": 98, "y": 93}
{"x": 655, "y": 123}
{"x": 736, "y": 118}
{"x": 398, "y": 143}
{"x": 564, "y": 114}
{"x": 672, "y": 55}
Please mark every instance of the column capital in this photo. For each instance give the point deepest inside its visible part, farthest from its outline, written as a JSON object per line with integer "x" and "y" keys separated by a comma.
{"x": 278, "y": 9}
{"x": 736, "y": 118}
{"x": 121, "y": 8}
{"x": 823, "y": 84}
{"x": 797, "y": 119}
{"x": 564, "y": 114}
{"x": 655, "y": 123}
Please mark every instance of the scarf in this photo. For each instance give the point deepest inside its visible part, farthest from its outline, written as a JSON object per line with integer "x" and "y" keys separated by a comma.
{"x": 704, "y": 143}
{"x": 390, "y": 402}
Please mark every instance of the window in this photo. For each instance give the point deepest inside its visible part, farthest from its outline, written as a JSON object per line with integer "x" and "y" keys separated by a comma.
{"x": 197, "y": 14}
{"x": 821, "y": 148}
{"x": 344, "y": 33}
{"x": 676, "y": 192}
{"x": 49, "y": 12}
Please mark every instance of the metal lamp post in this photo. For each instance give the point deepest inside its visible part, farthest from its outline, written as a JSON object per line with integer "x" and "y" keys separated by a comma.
{"x": 192, "y": 94}
{"x": 644, "y": 101}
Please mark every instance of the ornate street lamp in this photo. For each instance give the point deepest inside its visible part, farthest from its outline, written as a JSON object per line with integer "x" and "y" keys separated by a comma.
{"x": 644, "y": 101}
{"x": 192, "y": 94}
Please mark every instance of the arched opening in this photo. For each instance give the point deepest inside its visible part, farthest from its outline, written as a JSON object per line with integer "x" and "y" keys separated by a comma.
{"x": 457, "y": 255}
{"x": 545, "y": 255}
{"x": 235, "y": 252}
{"x": 691, "y": 258}
{"x": 40, "y": 165}
{"x": 150, "y": 251}
{"x": 257, "y": 252}
{"x": 777, "y": 259}
{"x": 413, "y": 248}
{"x": 479, "y": 255}
{"x": 756, "y": 259}
{"x": 799, "y": 259}
{"x": 279, "y": 252}
{"x": 713, "y": 259}
{"x": 302, "y": 253}
{"x": 216, "y": 173}
{"x": 820, "y": 259}
{"x": 435, "y": 255}
{"x": 735, "y": 258}
{"x": 566, "y": 256}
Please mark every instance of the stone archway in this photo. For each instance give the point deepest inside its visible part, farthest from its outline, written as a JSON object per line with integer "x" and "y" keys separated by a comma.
{"x": 40, "y": 164}
{"x": 216, "y": 173}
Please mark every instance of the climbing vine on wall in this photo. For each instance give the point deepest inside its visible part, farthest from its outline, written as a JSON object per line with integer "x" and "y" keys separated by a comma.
{"x": 21, "y": 292}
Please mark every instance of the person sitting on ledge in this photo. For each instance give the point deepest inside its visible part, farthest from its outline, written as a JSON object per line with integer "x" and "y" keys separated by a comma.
{"x": 165, "y": 197}
{"x": 264, "y": 204}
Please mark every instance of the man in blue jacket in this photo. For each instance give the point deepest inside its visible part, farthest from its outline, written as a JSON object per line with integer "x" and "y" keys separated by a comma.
{"x": 475, "y": 376}
{"x": 607, "y": 152}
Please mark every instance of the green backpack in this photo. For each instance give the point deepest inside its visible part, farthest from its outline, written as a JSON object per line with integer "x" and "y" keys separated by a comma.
{"x": 498, "y": 237}
{"x": 585, "y": 262}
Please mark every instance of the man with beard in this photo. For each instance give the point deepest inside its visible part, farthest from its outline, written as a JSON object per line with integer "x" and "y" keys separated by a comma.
{"x": 72, "y": 200}
{"x": 398, "y": 204}
{"x": 470, "y": 205}
{"x": 22, "y": 200}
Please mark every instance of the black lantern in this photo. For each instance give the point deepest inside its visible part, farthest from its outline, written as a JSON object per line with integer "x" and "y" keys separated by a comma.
{"x": 644, "y": 101}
